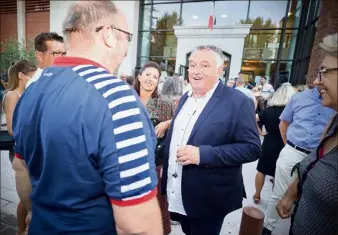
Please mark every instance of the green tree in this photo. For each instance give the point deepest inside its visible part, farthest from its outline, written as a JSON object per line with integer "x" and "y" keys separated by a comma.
{"x": 12, "y": 51}
{"x": 161, "y": 39}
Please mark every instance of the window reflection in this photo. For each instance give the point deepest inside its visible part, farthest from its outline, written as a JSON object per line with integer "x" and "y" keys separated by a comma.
{"x": 163, "y": 44}
{"x": 262, "y": 44}
{"x": 272, "y": 12}
{"x": 144, "y": 43}
{"x": 289, "y": 44}
{"x": 230, "y": 12}
{"x": 145, "y": 17}
{"x": 196, "y": 13}
{"x": 294, "y": 14}
{"x": 165, "y": 16}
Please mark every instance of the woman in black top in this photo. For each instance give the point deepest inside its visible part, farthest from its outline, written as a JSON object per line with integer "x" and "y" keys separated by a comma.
{"x": 273, "y": 143}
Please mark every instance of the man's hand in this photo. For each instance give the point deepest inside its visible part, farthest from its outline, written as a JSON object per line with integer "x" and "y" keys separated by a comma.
{"x": 284, "y": 207}
{"x": 188, "y": 155}
{"x": 161, "y": 128}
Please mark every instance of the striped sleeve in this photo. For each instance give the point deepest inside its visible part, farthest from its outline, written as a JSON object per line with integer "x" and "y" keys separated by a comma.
{"x": 126, "y": 151}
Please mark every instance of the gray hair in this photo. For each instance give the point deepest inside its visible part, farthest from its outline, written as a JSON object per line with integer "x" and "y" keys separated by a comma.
{"x": 283, "y": 95}
{"x": 172, "y": 86}
{"x": 330, "y": 44}
{"x": 83, "y": 16}
{"x": 240, "y": 81}
{"x": 219, "y": 54}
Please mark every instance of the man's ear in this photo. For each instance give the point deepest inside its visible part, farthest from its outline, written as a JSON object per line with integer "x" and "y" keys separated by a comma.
{"x": 38, "y": 56}
{"x": 109, "y": 37}
{"x": 219, "y": 71}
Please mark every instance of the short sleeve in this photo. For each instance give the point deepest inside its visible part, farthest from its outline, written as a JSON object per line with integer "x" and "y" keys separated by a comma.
{"x": 287, "y": 114}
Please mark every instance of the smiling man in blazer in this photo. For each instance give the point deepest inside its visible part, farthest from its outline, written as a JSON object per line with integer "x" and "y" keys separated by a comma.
{"x": 212, "y": 134}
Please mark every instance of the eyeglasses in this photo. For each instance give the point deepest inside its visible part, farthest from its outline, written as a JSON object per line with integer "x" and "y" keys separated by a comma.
{"x": 129, "y": 35}
{"x": 322, "y": 71}
{"x": 55, "y": 53}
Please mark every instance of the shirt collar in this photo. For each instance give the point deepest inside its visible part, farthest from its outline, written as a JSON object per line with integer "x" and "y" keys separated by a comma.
{"x": 316, "y": 94}
{"x": 208, "y": 93}
{"x": 69, "y": 61}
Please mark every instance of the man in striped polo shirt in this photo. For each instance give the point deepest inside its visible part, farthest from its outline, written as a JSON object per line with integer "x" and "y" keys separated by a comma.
{"x": 85, "y": 137}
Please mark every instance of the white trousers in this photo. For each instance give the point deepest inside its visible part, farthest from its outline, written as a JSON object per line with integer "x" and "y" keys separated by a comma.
{"x": 288, "y": 158}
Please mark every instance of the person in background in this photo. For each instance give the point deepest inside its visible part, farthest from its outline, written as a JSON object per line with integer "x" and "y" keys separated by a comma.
{"x": 130, "y": 80}
{"x": 300, "y": 88}
{"x": 18, "y": 76}
{"x": 123, "y": 76}
{"x": 85, "y": 137}
{"x": 301, "y": 124}
{"x": 186, "y": 86}
{"x": 266, "y": 93}
{"x": 3, "y": 87}
{"x": 231, "y": 82}
{"x": 48, "y": 46}
{"x": 199, "y": 156}
{"x": 272, "y": 143}
{"x": 160, "y": 112}
{"x": 315, "y": 189}
{"x": 240, "y": 85}
{"x": 173, "y": 89}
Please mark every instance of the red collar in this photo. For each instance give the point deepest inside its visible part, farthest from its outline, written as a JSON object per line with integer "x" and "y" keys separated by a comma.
{"x": 74, "y": 61}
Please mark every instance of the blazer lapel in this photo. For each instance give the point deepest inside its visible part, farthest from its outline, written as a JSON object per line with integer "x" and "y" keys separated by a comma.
{"x": 207, "y": 109}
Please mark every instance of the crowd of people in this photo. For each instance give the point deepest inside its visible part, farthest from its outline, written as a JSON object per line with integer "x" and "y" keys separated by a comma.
{"x": 99, "y": 154}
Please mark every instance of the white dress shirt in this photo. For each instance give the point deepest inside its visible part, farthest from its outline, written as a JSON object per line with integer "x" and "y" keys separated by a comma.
{"x": 183, "y": 126}
{"x": 267, "y": 91}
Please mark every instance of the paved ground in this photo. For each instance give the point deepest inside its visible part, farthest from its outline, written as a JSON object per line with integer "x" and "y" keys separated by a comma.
{"x": 9, "y": 200}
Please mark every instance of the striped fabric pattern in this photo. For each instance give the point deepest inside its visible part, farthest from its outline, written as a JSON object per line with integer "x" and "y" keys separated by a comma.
{"x": 128, "y": 131}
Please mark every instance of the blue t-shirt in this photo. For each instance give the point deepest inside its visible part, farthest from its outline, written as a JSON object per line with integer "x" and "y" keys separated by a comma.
{"x": 88, "y": 142}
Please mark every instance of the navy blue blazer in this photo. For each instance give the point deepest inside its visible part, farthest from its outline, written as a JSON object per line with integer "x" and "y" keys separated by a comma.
{"x": 227, "y": 137}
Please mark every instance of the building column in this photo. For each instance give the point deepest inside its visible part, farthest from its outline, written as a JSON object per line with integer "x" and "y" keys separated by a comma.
{"x": 21, "y": 16}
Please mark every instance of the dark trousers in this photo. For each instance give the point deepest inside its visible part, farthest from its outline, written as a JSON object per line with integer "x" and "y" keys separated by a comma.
{"x": 210, "y": 225}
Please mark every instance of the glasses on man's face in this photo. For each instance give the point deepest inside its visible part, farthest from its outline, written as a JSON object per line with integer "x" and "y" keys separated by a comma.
{"x": 55, "y": 53}
{"x": 322, "y": 71}
{"x": 129, "y": 35}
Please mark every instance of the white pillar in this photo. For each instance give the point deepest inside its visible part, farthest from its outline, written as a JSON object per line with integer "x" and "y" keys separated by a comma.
{"x": 57, "y": 13}
{"x": 21, "y": 18}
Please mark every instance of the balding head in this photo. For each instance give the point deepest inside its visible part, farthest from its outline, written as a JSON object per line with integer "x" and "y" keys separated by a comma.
{"x": 97, "y": 30}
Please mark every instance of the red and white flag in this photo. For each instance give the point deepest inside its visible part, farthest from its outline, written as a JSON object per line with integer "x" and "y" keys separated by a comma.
{"x": 211, "y": 17}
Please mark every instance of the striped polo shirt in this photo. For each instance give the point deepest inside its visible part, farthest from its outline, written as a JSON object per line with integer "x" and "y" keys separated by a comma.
{"x": 87, "y": 142}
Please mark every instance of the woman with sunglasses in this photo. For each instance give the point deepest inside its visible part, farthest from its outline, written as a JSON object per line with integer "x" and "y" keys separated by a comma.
{"x": 18, "y": 76}
{"x": 316, "y": 189}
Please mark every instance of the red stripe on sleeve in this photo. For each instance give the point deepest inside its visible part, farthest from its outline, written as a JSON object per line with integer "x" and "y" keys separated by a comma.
{"x": 18, "y": 156}
{"x": 136, "y": 201}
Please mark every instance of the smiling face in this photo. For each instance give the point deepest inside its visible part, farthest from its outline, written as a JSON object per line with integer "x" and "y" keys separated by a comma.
{"x": 149, "y": 79}
{"x": 328, "y": 84}
{"x": 203, "y": 71}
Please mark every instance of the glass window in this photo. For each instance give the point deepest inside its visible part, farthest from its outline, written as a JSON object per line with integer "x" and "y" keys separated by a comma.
{"x": 166, "y": 16}
{"x": 145, "y": 17}
{"x": 262, "y": 44}
{"x": 257, "y": 68}
{"x": 141, "y": 61}
{"x": 144, "y": 43}
{"x": 289, "y": 44}
{"x": 165, "y": 1}
{"x": 146, "y": 2}
{"x": 231, "y": 12}
{"x": 196, "y": 13}
{"x": 167, "y": 66}
{"x": 163, "y": 44}
{"x": 294, "y": 14}
{"x": 267, "y": 14}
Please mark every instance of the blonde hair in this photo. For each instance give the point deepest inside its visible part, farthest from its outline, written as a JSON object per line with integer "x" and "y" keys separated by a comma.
{"x": 283, "y": 95}
{"x": 330, "y": 44}
{"x": 23, "y": 66}
{"x": 300, "y": 88}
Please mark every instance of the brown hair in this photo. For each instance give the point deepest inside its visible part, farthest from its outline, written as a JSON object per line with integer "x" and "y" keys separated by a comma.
{"x": 23, "y": 66}
{"x": 150, "y": 64}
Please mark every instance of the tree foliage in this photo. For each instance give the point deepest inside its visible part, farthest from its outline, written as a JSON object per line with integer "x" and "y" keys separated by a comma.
{"x": 12, "y": 51}
{"x": 161, "y": 39}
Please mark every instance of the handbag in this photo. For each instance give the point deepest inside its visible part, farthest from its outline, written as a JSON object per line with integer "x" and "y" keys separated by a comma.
{"x": 159, "y": 150}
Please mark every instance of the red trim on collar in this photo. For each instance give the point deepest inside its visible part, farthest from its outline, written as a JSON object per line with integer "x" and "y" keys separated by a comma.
{"x": 74, "y": 61}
